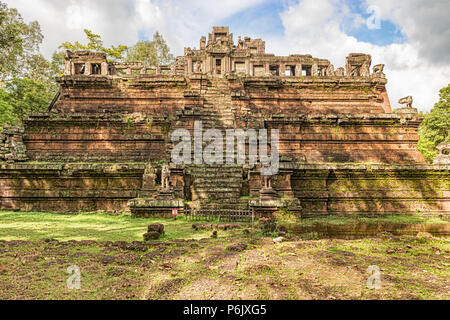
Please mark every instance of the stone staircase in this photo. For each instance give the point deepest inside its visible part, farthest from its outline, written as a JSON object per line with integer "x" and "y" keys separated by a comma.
{"x": 218, "y": 102}
{"x": 216, "y": 185}
{"x": 217, "y": 108}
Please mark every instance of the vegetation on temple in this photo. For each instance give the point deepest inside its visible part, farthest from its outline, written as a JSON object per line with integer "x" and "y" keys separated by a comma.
{"x": 151, "y": 53}
{"x": 435, "y": 128}
{"x": 27, "y": 78}
{"x": 115, "y": 53}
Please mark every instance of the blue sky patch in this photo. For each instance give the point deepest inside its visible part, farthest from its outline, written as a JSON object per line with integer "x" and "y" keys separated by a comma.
{"x": 264, "y": 20}
{"x": 387, "y": 33}
{"x": 384, "y": 33}
{"x": 257, "y": 21}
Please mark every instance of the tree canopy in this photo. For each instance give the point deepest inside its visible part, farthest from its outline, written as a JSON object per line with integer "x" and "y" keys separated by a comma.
{"x": 151, "y": 53}
{"x": 115, "y": 53}
{"x": 435, "y": 128}
{"x": 19, "y": 43}
{"x": 27, "y": 78}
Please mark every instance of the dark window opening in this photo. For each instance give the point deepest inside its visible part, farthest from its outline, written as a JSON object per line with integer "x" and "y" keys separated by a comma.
{"x": 220, "y": 35}
{"x": 218, "y": 66}
{"x": 290, "y": 71}
{"x": 322, "y": 71}
{"x": 79, "y": 68}
{"x": 96, "y": 68}
{"x": 356, "y": 71}
{"x": 274, "y": 70}
{"x": 306, "y": 71}
{"x": 111, "y": 70}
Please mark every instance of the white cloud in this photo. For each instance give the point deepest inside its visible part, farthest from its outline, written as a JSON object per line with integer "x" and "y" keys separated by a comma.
{"x": 315, "y": 26}
{"x": 121, "y": 21}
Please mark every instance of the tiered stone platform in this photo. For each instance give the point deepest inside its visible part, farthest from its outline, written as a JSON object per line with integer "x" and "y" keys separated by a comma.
{"x": 102, "y": 144}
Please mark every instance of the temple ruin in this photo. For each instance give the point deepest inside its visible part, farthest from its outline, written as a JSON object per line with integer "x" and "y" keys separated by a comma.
{"x": 104, "y": 144}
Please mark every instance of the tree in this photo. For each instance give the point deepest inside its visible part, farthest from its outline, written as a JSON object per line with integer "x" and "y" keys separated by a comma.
{"x": 7, "y": 116}
{"x": 151, "y": 53}
{"x": 26, "y": 95}
{"x": 18, "y": 42}
{"x": 435, "y": 128}
{"x": 26, "y": 77}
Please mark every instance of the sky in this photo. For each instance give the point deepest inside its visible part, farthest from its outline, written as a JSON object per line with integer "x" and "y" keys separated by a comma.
{"x": 411, "y": 37}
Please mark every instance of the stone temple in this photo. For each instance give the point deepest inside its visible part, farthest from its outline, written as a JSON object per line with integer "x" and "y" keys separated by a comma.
{"x": 105, "y": 144}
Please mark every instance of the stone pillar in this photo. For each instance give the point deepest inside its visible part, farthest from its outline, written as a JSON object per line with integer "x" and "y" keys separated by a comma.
{"x": 87, "y": 68}
{"x": 282, "y": 69}
{"x": 208, "y": 65}
{"x": 104, "y": 71}
{"x": 68, "y": 67}
{"x": 314, "y": 69}
{"x": 247, "y": 67}
{"x": 189, "y": 66}
{"x": 298, "y": 70}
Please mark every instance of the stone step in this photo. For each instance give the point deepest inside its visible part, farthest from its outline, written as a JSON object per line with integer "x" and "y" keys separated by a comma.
{"x": 214, "y": 167}
{"x": 207, "y": 179}
{"x": 217, "y": 172}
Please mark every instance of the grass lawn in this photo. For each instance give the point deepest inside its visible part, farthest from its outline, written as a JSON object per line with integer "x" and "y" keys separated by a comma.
{"x": 90, "y": 226}
{"x": 200, "y": 267}
{"x": 341, "y": 220}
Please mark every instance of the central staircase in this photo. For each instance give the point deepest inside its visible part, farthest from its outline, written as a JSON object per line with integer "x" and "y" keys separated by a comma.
{"x": 218, "y": 105}
{"x": 213, "y": 185}
{"x": 216, "y": 185}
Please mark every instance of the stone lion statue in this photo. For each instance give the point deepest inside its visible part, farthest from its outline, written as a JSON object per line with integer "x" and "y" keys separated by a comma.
{"x": 165, "y": 174}
{"x": 378, "y": 68}
{"x": 406, "y": 102}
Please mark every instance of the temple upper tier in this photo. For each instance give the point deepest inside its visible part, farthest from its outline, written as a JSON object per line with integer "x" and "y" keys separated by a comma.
{"x": 220, "y": 56}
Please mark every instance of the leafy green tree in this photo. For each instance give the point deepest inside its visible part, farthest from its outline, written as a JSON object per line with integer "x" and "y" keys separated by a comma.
{"x": 7, "y": 116}
{"x": 435, "y": 128}
{"x": 95, "y": 43}
{"x": 26, "y": 77}
{"x": 27, "y": 95}
{"x": 151, "y": 53}
{"x": 18, "y": 42}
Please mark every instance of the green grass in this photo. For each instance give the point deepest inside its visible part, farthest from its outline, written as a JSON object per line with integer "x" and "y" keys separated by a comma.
{"x": 91, "y": 226}
{"x": 340, "y": 220}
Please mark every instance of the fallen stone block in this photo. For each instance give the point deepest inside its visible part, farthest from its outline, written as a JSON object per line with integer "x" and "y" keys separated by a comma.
{"x": 156, "y": 227}
{"x": 152, "y": 235}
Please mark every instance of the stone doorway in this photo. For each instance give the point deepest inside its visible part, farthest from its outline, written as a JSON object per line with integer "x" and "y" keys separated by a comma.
{"x": 218, "y": 67}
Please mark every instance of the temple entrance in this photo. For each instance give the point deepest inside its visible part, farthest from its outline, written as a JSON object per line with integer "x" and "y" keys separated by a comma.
{"x": 218, "y": 67}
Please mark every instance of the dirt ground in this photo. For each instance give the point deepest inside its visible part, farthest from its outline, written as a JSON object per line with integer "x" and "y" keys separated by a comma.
{"x": 240, "y": 267}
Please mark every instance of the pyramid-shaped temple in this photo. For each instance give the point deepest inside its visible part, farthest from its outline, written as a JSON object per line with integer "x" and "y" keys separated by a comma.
{"x": 106, "y": 142}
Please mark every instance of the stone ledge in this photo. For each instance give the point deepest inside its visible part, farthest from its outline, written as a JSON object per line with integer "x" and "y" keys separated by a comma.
{"x": 108, "y": 168}
{"x": 365, "y": 166}
{"x": 149, "y": 207}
